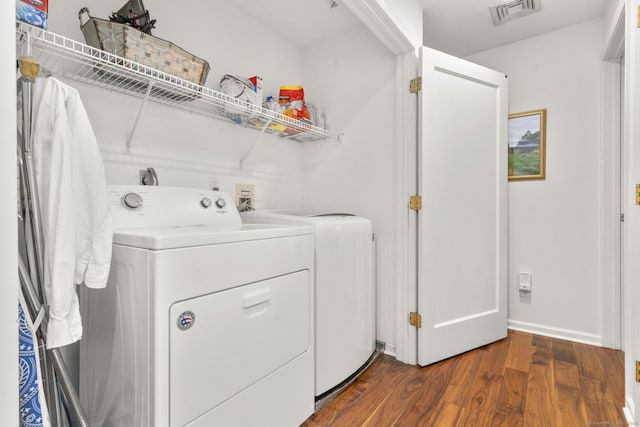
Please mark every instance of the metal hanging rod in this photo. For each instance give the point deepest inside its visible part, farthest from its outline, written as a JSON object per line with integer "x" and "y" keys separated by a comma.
{"x": 56, "y": 377}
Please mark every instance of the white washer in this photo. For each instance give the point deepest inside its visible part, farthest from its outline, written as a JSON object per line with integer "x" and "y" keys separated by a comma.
{"x": 205, "y": 321}
{"x": 345, "y": 336}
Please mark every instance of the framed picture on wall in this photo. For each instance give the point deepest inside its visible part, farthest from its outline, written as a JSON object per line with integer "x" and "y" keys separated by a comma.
{"x": 527, "y": 145}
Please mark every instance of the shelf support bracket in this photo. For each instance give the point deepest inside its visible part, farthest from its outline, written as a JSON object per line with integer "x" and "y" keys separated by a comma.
{"x": 330, "y": 146}
{"x": 253, "y": 143}
{"x": 135, "y": 123}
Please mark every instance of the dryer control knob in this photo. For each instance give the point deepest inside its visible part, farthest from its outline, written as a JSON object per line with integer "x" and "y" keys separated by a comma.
{"x": 221, "y": 203}
{"x": 205, "y": 202}
{"x": 132, "y": 201}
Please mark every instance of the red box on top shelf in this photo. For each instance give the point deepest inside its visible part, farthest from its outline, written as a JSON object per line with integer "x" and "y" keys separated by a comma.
{"x": 34, "y": 12}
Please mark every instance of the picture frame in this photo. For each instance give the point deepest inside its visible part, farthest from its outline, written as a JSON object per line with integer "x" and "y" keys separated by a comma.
{"x": 527, "y": 145}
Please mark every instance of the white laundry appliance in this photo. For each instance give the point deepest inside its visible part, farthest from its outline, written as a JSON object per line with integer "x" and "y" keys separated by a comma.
{"x": 345, "y": 322}
{"x": 205, "y": 321}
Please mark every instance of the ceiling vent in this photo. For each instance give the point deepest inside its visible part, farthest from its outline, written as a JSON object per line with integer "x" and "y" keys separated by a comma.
{"x": 514, "y": 9}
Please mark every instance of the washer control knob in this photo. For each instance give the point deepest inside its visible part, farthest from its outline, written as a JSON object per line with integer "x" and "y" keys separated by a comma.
{"x": 205, "y": 202}
{"x": 221, "y": 203}
{"x": 132, "y": 201}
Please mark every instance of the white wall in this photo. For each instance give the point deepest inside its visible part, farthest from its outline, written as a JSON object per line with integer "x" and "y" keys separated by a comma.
{"x": 8, "y": 222}
{"x": 187, "y": 149}
{"x": 358, "y": 176}
{"x": 351, "y": 76}
{"x": 554, "y": 224}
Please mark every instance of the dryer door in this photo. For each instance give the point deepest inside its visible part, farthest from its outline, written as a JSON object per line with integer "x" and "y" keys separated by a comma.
{"x": 222, "y": 343}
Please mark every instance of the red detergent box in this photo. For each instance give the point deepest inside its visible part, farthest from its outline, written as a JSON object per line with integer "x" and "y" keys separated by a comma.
{"x": 257, "y": 85}
{"x": 34, "y": 12}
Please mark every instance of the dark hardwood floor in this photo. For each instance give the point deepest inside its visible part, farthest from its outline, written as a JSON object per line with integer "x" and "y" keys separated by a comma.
{"x": 522, "y": 380}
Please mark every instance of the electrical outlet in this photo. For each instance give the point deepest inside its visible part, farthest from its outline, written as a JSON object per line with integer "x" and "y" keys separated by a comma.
{"x": 245, "y": 197}
{"x": 524, "y": 282}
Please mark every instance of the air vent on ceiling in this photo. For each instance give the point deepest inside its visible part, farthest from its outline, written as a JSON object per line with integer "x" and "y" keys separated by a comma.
{"x": 514, "y": 9}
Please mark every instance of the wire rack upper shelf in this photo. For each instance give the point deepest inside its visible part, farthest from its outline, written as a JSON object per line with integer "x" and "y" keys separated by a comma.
{"x": 64, "y": 57}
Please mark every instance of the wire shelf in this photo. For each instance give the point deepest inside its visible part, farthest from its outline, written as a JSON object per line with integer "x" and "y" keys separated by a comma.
{"x": 77, "y": 61}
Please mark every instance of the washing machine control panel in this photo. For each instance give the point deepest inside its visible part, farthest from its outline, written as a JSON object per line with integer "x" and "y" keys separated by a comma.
{"x": 206, "y": 203}
{"x": 157, "y": 206}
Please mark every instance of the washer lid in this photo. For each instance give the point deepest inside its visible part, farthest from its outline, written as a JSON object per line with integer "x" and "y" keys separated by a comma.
{"x": 182, "y": 236}
{"x": 310, "y": 213}
{"x": 300, "y": 217}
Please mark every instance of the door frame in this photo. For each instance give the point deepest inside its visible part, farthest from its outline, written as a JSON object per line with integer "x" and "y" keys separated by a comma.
{"x": 631, "y": 251}
{"x": 610, "y": 189}
{"x": 398, "y": 24}
{"x": 407, "y": 220}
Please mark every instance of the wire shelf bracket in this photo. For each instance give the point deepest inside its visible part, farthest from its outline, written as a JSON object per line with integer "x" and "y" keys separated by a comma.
{"x": 135, "y": 123}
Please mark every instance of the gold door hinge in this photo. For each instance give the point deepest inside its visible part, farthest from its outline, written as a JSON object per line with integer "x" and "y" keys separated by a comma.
{"x": 637, "y": 194}
{"x": 638, "y": 371}
{"x": 638, "y": 23}
{"x": 415, "y": 85}
{"x": 415, "y": 202}
{"x": 415, "y": 319}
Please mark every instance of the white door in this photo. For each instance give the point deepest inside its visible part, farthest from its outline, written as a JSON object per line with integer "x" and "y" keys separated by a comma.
{"x": 462, "y": 227}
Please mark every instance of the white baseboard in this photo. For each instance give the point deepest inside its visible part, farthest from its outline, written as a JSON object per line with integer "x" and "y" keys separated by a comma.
{"x": 630, "y": 411}
{"x": 390, "y": 350}
{"x": 565, "y": 334}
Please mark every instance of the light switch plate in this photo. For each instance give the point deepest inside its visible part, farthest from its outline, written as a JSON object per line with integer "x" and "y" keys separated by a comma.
{"x": 524, "y": 282}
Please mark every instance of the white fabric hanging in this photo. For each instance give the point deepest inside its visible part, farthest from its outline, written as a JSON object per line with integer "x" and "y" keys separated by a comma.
{"x": 72, "y": 192}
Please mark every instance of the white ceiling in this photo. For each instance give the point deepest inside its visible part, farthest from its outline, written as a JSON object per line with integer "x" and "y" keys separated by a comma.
{"x": 302, "y": 22}
{"x": 458, "y": 27}
{"x": 462, "y": 27}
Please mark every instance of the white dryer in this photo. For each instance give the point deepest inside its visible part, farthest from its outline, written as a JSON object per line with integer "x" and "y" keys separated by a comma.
{"x": 345, "y": 335}
{"x": 205, "y": 321}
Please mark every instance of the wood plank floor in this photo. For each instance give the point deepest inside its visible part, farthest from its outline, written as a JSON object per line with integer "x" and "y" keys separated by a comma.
{"x": 522, "y": 380}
